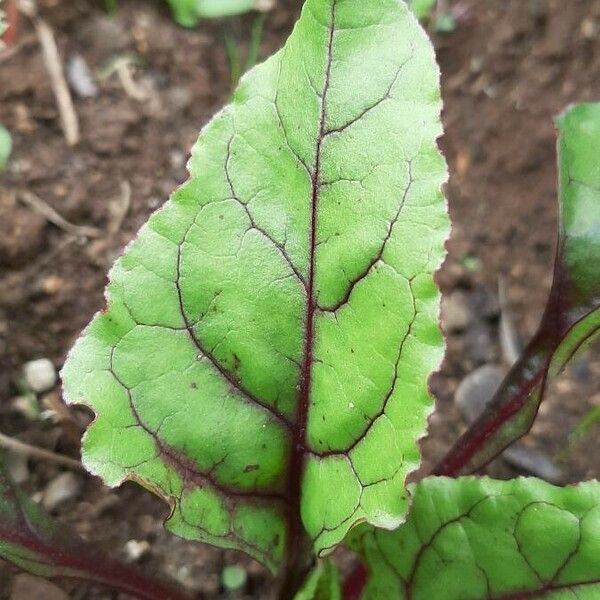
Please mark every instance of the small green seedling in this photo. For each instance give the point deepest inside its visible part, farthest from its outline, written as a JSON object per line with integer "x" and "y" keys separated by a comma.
{"x": 445, "y": 23}
{"x": 111, "y": 6}
{"x": 588, "y": 422}
{"x": 5, "y": 147}
{"x": 190, "y": 12}
{"x": 425, "y": 11}
{"x": 234, "y": 53}
{"x": 234, "y": 577}
{"x": 262, "y": 363}
{"x": 422, "y": 8}
{"x": 3, "y": 24}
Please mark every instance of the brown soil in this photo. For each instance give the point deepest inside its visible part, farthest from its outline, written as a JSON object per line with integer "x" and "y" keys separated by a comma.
{"x": 509, "y": 67}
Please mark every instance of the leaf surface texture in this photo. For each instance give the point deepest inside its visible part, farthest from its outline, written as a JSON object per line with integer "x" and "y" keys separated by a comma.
{"x": 480, "y": 539}
{"x": 262, "y": 363}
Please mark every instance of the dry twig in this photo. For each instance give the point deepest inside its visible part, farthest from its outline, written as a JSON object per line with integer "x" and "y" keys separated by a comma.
{"x": 10, "y": 443}
{"x": 66, "y": 109}
{"x": 131, "y": 87}
{"x": 55, "y": 218}
{"x": 120, "y": 209}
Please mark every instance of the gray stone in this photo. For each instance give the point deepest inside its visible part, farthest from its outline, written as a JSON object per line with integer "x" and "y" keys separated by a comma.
{"x": 62, "y": 488}
{"x": 136, "y": 549}
{"x": 80, "y": 78}
{"x": 477, "y": 389}
{"x": 39, "y": 375}
{"x": 533, "y": 462}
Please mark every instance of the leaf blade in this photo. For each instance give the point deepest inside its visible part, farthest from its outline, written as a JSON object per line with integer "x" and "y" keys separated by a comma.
{"x": 251, "y": 281}
{"x": 481, "y": 539}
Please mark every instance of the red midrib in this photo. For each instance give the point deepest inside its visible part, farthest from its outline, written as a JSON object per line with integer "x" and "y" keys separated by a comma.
{"x": 299, "y": 447}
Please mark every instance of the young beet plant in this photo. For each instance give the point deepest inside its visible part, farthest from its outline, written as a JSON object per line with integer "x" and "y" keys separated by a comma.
{"x": 262, "y": 362}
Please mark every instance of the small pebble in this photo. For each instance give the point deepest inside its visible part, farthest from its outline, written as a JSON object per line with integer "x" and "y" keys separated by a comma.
{"x": 177, "y": 159}
{"x": 134, "y": 550}
{"x": 589, "y": 29}
{"x": 533, "y": 462}
{"x": 66, "y": 486}
{"x": 80, "y": 78}
{"x": 477, "y": 389}
{"x": 39, "y": 375}
{"x": 52, "y": 284}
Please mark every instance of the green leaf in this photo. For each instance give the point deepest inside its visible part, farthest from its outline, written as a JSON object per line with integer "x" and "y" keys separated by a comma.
{"x": 445, "y": 23}
{"x": 184, "y": 12}
{"x": 189, "y": 12}
{"x": 5, "y": 147}
{"x": 479, "y": 539}
{"x": 572, "y": 317}
{"x": 422, "y": 8}
{"x": 3, "y": 25}
{"x": 34, "y": 542}
{"x": 323, "y": 583}
{"x": 263, "y": 360}
{"x": 213, "y": 9}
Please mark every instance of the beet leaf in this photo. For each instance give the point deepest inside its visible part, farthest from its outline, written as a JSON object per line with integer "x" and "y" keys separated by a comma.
{"x": 480, "y": 539}
{"x": 572, "y": 316}
{"x": 262, "y": 363}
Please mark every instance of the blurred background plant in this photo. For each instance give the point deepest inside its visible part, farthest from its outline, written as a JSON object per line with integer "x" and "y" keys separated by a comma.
{"x": 189, "y": 13}
{"x": 5, "y": 147}
{"x": 436, "y": 13}
{"x": 586, "y": 425}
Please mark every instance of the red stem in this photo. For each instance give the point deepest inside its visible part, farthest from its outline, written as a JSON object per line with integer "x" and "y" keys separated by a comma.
{"x": 12, "y": 19}
{"x": 77, "y": 563}
{"x": 355, "y": 582}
